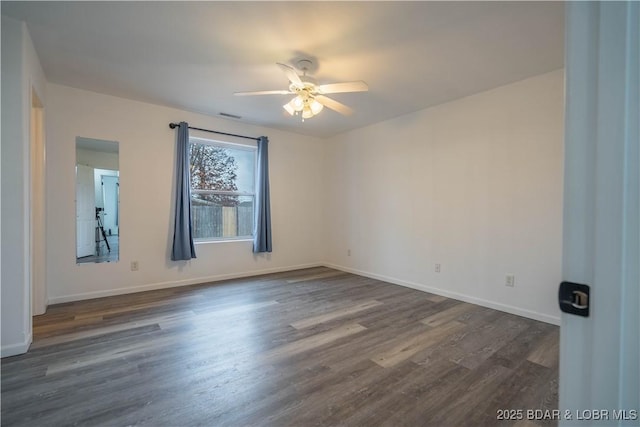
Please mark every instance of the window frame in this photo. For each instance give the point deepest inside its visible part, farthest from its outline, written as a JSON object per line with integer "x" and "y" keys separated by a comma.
{"x": 233, "y": 146}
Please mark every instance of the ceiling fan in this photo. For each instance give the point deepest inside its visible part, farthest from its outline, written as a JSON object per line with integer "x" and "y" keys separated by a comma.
{"x": 310, "y": 97}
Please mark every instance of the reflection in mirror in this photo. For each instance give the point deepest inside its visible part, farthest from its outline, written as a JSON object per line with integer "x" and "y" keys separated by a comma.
{"x": 97, "y": 201}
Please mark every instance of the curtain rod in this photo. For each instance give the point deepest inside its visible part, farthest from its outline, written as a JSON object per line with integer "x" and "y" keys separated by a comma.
{"x": 175, "y": 125}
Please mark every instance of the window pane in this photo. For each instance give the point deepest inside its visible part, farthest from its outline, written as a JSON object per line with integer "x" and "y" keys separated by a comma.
{"x": 246, "y": 160}
{"x": 221, "y": 168}
{"x": 216, "y": 216}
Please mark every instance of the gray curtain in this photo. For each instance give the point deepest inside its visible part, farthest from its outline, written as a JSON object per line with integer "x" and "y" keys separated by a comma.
{"x": 183, "y": 248}
{"x": 262, "y": 231}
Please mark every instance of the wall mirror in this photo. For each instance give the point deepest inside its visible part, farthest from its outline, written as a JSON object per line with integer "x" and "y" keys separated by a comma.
{"x": 97, "y": 201}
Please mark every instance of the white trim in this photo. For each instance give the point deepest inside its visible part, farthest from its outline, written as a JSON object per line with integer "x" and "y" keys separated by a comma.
{"x": 418, "y": 286}
{"x": 599, "y": 354}
{"x": 222, "y": 240}
{"x": 26, "y": 194}
{"x": 40, "y": 306}
{"x": 231, "y": 145}
{"x": 461, "y": 297}
{"x": 222, "y": 193}
{"x": 177, "y": 283}
{"x": 16, "y": 349}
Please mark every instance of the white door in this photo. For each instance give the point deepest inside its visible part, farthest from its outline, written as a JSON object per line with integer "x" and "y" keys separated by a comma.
{"x": 110, "y": 203}
{"x": 599, "y": 354}
{"x": 85, "y": 212}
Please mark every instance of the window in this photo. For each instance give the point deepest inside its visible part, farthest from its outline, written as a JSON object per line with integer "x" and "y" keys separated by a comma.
{"x": 222, "y": 189}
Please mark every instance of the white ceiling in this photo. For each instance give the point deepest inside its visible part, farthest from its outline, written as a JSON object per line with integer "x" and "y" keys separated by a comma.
{"x": 194, "y": 55}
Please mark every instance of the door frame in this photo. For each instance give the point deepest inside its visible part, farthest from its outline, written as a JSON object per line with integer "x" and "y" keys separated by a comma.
{"x": 599, "y": 354}
{"x": 37, "y": 206}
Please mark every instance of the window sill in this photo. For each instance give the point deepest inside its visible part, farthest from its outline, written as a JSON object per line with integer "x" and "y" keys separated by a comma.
{"x": 204, "y": 242}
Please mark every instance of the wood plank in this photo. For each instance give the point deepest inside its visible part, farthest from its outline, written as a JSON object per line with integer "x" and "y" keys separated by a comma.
{"x": 314, "y": 341}
{"x": 235, "y": 309}
{"x": 547, "y": 351}
{"x": 530, "y": 386}
{"x": 409, "y": 402}
{"x": 476, "y": 387}
{"x": 407, "y": 349}
{"x": 514, "y": 352}
{"x": 450, "y": 347}
{"x": 445, "y": 316}
{"x": 95, "y": 332}
{"x": 437, "y": 298}
{"x": 484, "y": 342}
{"x": 337, "y": 405}
{"x": 316, "y": 276}
{"x": 346, "y": 311}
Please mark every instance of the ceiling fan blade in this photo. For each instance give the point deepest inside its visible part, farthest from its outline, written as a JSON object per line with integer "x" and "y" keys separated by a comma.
{"x": 334, "y": 105}
{"x": 292, "y": 75}
{"x": 263, "y": 92}
{"x": 358, "y": 86}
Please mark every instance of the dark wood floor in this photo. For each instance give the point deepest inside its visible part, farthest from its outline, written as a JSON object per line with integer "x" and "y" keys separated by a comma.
{"x": 312, "y": 347}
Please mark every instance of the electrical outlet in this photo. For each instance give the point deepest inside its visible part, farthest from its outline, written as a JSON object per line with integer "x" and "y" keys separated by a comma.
{"x": 437, "y": 268}
{"x": 348, "y": 252}
{"x": 510, "y": 280}
{"x": 135, "y": 266}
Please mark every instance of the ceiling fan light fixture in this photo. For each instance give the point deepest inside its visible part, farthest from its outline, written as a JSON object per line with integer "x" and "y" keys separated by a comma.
{"x": 307, "y": 113}
{"x": 289, "y": 108}
{"x": 297, "y": 103}
{"x": 316, "y": 107}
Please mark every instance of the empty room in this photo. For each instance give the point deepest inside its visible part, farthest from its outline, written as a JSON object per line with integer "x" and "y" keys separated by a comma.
{"x": 320, "y": 213}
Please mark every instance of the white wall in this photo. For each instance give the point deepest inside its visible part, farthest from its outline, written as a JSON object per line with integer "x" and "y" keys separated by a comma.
{"x": 21, "y": 72}
{"x": 147, "y": 152}
{"x": 474, "y": 185}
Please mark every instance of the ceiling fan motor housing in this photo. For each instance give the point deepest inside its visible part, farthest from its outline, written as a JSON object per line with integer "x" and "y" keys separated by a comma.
{"x": 308, "y": 89}
{"x": 306, "y": 65}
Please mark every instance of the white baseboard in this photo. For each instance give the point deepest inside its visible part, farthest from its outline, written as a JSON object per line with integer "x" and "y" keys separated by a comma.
{"x": 461, "y": 297}
{"x": 176, "y": 283}
{"x": 18, "y": 348}
{"x": 418, "y": 286}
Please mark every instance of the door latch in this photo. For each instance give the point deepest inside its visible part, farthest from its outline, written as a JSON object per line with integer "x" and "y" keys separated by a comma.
{"x": 574, "y": 298}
